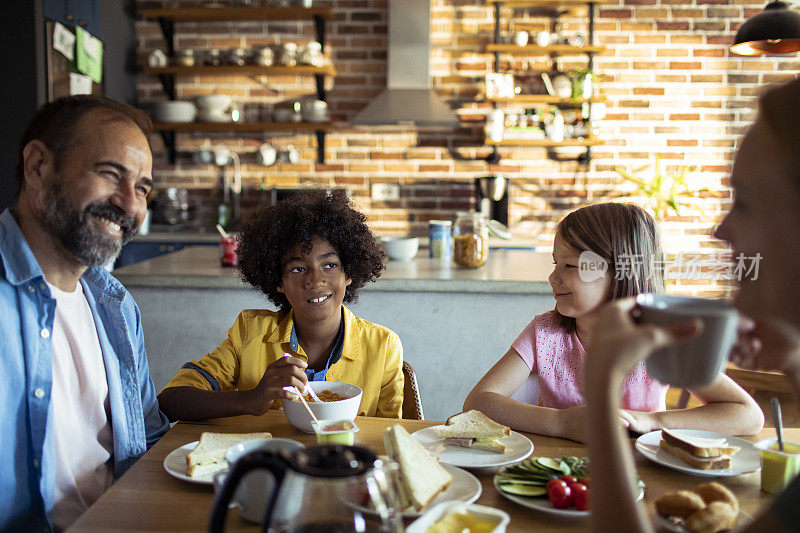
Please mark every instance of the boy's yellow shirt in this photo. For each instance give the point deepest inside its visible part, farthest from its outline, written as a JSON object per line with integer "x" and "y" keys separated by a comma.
{"x": 372, "y": 358}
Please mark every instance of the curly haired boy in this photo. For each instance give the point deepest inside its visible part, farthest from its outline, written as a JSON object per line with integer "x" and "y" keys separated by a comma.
{"x": 308, "y": 254}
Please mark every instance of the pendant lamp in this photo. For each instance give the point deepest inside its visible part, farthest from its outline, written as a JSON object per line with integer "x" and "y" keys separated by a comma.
{"x": 776, "y": 30}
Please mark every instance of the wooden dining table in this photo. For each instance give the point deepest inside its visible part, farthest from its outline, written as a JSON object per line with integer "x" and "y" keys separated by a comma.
{"x": 147, "y": 498}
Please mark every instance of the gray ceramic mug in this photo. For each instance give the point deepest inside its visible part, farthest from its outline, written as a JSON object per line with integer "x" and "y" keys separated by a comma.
{"x": 696, "y": 362}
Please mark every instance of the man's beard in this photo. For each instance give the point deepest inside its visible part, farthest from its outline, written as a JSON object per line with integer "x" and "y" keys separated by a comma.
{"x": 89, "y": 246}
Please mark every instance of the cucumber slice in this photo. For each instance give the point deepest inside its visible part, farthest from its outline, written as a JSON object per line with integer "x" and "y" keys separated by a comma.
{"x": 523, "y": 490}
{"x": 548, "y": 463}
{"x": 531, "y": 483}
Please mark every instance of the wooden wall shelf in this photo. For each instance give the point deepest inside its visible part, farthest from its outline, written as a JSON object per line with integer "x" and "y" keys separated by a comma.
{"x": 167, "y": 19}
{"x": 189, "y": 127}
{"x": 544, "y": 142}
{"x": 544, "y": 99}
{"x": 224, "y": 14}
{"x": 553, "y": 49}
{"x": 245, "y": 70}
{"x": 547, "y": 3}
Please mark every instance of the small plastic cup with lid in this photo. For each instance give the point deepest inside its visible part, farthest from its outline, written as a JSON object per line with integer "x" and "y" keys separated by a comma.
{"x": 335, "y": 431}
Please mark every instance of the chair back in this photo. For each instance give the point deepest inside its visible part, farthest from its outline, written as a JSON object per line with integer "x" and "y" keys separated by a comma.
{"x": 412, "y": 401}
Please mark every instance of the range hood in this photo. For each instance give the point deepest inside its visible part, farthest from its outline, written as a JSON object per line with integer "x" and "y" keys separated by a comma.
{"x": 409, "y": 98}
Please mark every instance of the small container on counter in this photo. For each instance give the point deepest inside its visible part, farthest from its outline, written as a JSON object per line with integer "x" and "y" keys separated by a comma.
{"x": 335, "y": 431}
{"x": 440, "y": 238}
{"x": 470, "y": 240}
{"x": 227, "y": 250}
{"x": 778, "y": 468}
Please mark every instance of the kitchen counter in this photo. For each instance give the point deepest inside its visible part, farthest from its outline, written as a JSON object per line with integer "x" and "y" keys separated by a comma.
{"x": 454, "y": 323}
{"x": 507, "y": 271}
{"x": 179, "y": 236}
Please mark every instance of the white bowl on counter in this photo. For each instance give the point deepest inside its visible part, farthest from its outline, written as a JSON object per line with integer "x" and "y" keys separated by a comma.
{"x": 174, "y": 111}
{"x": 400, "y": 248}
{"x": 346, "y": 409}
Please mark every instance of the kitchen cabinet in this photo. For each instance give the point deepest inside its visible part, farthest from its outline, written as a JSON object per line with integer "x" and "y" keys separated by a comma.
{"x": 552, "y": 10}
{"x": 167, "y": 19}
{"x": 72, "y": 13}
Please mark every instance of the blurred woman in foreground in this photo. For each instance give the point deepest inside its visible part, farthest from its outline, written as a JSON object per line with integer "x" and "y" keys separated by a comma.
{"x": 765, "y": 220}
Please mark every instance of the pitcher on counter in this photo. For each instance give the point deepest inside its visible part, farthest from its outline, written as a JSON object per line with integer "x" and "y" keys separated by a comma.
{"x": 549, "y": 354}
{"x": 308, "y": 254}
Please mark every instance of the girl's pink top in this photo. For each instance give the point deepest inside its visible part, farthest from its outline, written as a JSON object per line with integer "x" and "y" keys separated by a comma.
{"x": 556, "y": 360}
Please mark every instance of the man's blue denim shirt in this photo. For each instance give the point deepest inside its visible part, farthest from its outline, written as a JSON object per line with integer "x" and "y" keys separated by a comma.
{"x": 27, "y": 461}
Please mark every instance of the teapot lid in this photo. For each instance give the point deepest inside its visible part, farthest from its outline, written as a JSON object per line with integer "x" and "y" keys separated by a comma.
{"x": 333, "y": 460}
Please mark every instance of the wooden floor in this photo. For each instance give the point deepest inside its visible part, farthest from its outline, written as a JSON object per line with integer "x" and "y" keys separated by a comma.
{"x": 789, "y": 410}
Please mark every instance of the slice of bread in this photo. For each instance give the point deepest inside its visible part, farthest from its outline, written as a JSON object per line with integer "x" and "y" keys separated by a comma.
{"x": 472, "y": 424}
{"x": 421, "y": 475}
{"x": 490, "y": 445}
{"x": 209, "y": 454}
{"x": 703, "y": 463}
{"x": 697, "y": 446}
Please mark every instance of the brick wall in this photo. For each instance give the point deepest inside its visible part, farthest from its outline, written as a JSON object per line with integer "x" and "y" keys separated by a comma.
{"x": 671, "y": 88}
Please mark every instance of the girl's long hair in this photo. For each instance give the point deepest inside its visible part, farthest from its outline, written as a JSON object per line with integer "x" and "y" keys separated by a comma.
{"x": 627, "y": 238}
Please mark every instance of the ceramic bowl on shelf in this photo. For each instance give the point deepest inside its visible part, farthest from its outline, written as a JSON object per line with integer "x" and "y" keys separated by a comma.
{"x": 400, "y": 248}
{"x": 174, "y": 111}
{"x": 213, "y": 104}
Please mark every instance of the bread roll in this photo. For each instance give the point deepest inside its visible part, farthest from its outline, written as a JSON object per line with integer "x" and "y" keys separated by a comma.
{"x": 714, "y": 492}
{"x": 681, "y": 504}
{"x": 717, "y": 516}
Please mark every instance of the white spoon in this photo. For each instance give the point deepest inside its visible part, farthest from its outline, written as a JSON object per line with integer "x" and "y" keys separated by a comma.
{"x": 308, "y": 390}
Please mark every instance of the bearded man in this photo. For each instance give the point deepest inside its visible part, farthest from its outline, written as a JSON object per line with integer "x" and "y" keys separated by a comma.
{"x": 77, "y": 404}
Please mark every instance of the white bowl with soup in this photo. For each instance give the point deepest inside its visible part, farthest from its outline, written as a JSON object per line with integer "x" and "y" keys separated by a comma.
{"x": 340, "y": 402}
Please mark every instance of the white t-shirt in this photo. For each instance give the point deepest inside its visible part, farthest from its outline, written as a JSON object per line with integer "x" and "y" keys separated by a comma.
{"x": 80, "y": 409}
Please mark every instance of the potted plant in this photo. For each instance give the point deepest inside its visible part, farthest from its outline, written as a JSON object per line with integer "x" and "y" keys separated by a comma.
{"x": 665, "y": 193}
{"x": 583, "y": 81}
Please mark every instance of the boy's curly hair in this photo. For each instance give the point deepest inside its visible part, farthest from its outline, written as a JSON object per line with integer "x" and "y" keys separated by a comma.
{"x": 271, "y": 234}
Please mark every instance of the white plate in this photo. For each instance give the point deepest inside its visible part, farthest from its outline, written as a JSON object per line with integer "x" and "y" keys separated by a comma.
{"x": 518, "y": 447}
{"x": 746, "y": 460}
{"x": 543, "y": 503}
{"x": 175, "y": 465}
{"x": 741, "y": 520}
{"x": 464, "y": 488}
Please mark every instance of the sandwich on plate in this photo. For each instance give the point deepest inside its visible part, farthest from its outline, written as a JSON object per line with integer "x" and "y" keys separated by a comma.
{"x": 473, "y": 429}
{"x": 697, "y": 452}
{"x": 209, "y": 454}
{"x": 420, "y": 478}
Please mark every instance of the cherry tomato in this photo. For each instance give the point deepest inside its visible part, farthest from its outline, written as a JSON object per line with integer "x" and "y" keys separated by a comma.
{"x": 580, "y": 496}
{"x": 568, "y": 479}
{"x": 560, "y": 496}
{"x": 585, "y": 480}
{"x": 554, "y": 482}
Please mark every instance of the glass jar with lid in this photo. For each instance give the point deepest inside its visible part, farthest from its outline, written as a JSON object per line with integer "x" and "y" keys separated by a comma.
{"x": 264, "y": 56}
{"x": 236, "y": 57}
{"x": 288, "y": 55}
{"x": 185, "y": 58}
{"x": 470, "y": 240}
{"x": 213, "y": 58}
